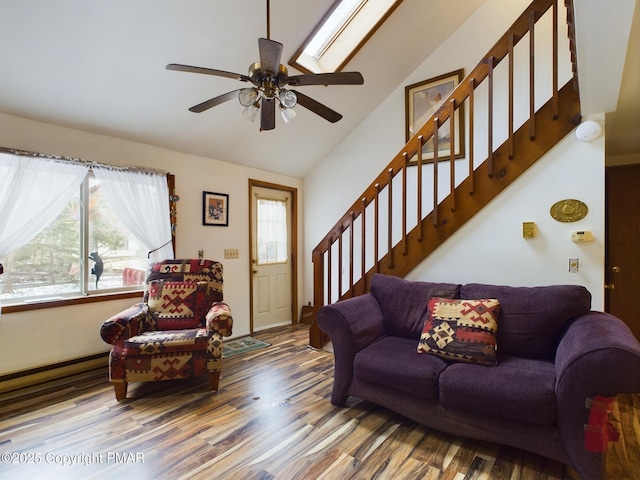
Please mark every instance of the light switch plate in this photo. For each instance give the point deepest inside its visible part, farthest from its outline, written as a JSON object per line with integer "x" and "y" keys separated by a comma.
{"x": 528, "y": 230}
{"x": 231, "y": 253}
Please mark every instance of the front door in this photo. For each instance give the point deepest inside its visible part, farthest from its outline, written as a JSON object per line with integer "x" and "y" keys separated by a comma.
{"x": 622, "y": 275}
{"x": 271, "y": 257}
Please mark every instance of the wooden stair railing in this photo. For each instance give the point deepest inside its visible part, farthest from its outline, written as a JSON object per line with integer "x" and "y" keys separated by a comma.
{"x": 395, "y": 245}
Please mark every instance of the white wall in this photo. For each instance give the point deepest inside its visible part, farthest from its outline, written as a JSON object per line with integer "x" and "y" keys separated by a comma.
{"x": 41, "y": 337}
{"x": 491, "y": 248}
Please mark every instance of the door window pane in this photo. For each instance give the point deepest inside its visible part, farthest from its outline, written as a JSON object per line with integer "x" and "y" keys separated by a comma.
{"x": 272, "y": 231}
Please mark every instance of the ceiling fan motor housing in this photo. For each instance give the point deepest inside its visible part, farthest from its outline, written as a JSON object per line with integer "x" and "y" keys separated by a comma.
{"x": 268, "y": 82}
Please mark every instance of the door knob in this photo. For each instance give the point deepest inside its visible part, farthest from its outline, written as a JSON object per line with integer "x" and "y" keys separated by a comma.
{"x": 615, "y": 269}
{"x": 609, "y": 286}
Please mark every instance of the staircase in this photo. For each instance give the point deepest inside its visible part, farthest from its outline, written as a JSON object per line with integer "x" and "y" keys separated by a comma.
{"x": 424, "y": 196}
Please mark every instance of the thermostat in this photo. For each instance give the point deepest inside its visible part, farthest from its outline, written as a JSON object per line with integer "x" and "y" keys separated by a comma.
{"x": 581, "y": 236}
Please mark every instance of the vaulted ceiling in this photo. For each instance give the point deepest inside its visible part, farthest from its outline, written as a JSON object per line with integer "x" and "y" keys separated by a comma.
{"x": 99, "y": 66}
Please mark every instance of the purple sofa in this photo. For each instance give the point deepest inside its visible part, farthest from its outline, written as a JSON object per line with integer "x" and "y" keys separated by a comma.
{"x": 554, "y": 355}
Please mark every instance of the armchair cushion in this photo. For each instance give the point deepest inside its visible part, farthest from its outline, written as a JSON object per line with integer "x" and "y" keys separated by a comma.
{"x": 190, "y": 270}
{"x": 151, "y": 343}
{"x": 177, "y": 305}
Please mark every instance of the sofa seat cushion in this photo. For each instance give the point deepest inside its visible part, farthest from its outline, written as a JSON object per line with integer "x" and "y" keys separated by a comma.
{"x": 516, "y": 389}
{"x": 395, "y": 363}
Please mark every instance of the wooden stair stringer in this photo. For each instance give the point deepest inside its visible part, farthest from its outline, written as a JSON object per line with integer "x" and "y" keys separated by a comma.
{"x": 485, "y": 188}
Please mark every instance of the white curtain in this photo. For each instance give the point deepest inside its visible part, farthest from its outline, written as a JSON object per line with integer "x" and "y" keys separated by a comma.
{"x": 141, "y": 200}
{"x": 33, "y": 192}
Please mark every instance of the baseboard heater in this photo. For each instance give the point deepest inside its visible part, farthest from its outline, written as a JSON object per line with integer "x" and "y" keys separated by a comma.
{"x": 35, "y": 376}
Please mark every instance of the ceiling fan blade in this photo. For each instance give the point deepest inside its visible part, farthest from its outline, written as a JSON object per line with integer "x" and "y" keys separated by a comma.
{"x": 267, "y": 114}
{"x": 207, "y": 71}
{"x": 338, "y": 78}
{"x": 318, "y": 108}
{"x": 201, "y": 107}
{"x": 270, "y": 54}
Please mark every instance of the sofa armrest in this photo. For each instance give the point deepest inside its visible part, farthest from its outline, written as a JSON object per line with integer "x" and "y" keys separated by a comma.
{"x": 126, "y": 324}
{"x": 598, "y": 351}
{"x": 597, "y": 355}
{"x": 351, "y": 324}
{"x": 219, "y": 319}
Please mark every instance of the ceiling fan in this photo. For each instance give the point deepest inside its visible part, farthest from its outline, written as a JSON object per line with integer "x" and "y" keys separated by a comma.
{"x": 270, "y": 80}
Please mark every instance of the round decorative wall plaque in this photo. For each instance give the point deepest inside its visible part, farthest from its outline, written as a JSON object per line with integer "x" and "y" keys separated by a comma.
{"x": 569, "y": 210}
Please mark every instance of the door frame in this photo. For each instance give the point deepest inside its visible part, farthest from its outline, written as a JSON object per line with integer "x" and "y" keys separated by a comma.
{"x": 294, "y": 245}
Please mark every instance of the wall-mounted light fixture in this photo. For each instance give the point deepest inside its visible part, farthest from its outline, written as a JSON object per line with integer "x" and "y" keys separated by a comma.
{"x": 588, "y": 131}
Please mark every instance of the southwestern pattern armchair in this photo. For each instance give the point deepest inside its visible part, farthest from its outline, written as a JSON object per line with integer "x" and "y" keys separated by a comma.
{"x": 175, "y": 332}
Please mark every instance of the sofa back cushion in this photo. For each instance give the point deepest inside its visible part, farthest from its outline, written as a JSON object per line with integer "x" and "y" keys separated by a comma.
{"x": 404, "y": 303}
{"x": 531, "y": 318}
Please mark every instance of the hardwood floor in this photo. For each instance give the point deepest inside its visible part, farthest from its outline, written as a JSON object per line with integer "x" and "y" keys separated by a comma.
{"x": 271, "y": 419}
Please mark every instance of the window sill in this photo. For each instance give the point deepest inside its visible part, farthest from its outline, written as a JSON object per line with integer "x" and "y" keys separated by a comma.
{"x": 23, "y": 307}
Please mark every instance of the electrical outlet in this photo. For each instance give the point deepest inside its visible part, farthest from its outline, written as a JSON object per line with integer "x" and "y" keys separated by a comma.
{"x": 200, "y": 254}
{"x": 231, "y": 253}
{"x": 573, "y": 265}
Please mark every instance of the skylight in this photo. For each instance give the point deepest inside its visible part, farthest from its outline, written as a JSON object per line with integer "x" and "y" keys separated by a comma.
{"x": 340, "y": 34}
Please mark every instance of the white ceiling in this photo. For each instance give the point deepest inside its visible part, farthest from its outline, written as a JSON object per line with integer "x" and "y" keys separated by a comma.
{"x": 99, "y": 66}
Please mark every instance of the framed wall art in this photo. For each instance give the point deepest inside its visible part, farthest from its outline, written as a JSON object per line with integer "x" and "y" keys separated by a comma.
{"x": 215, "y": 209}
{"x": 422, "y": 99}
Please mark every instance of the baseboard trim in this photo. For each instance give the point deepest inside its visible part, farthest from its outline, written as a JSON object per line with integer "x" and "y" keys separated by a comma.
{"x": 35, "y": 376}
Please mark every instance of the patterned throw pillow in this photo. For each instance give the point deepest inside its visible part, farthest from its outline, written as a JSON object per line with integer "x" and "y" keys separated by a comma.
{"x": 175, "y": 305}
{"x": 461, "y": 330}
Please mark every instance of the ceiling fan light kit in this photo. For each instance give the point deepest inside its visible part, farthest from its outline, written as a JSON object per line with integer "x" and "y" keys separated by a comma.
{"x": 270, "y": 79}
{"x": 247, "y": 96}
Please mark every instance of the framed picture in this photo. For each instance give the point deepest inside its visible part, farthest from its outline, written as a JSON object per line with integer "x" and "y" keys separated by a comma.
{"x": 422, "y": 100}
{"x": 215, "y": 209}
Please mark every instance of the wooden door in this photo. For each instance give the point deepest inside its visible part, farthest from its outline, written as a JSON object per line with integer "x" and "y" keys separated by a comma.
{"x": 272, "y": 257}
{"x": 622, "y": 256}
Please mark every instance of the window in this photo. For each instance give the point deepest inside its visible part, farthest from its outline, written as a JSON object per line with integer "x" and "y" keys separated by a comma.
{"x": 87, "y": 248}
{"x": 340, "y": 34}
